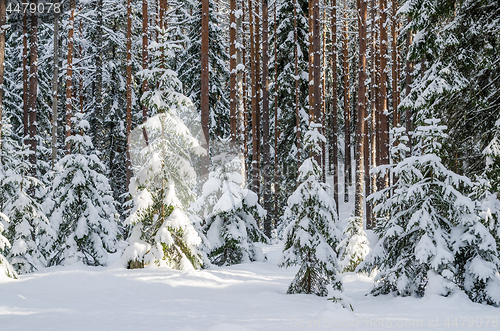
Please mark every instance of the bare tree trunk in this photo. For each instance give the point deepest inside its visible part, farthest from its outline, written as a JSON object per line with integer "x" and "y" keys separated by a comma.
{"x": 240, "y": 101}
{"x": 383, "y": 90}
{"x": 266, "y": 164}
{"x": 395, "y": 60}
{"x": 33, "y": 80}
{"x": 80, "y": 55}
{"x": 323, "y": 92}
{"x": 69, "y": 72}
{"x": 258, "y": 93}
{"x": 205, "y": 106}
{"x": 347, "y": 112}
{"x": 3, "y": 21}
{"x": 232, "y": 70}
{"x": 255, "y": 100}
{"x": 317, "y": 69}
{"x": 276, "y": 123}
{"x": 333, "y": 65}
{"x": 129, "y": 88}
{"x": 25, "y": 79}
{"x": 311, "y": 62}
{"x": 409, "y": 68}
{"x": 99, "y": 116}
{"x": 373, "y": 138}
{"x": 55, "y": 80}
{"x": 296, "y": 73}
{"x": 145, "y": 57}
{"x": 361, "y": 140}
{"x": 245, "y": 94}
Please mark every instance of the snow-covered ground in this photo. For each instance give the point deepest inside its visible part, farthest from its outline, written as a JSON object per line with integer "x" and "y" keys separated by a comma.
{"x": 250, "y": 296}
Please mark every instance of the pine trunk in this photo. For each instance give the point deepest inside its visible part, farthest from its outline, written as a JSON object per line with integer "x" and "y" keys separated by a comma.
{"x": 347, "y": 111}
{"x": 99, "y": 116}
{"x": 384, "y": 146}
{"x": 205, "y": 106}
{"x": 129, "y": 88}
{"x": 3, "y": 20}
{"x": 25, "y": 79}
{"x": 254, "y": 70}
{"x": 232, "y": 70}
{"x": 240, "y": 90}
{"x": 69, "y": 72}
{"x": 317, "y": 69}
{"x": 394, "y": 67}
{"x": 33, "y": 86}
{"x": 276, "y": 123}
{"x": 373, "y": 117}
{"x": 409, "y": 68}
{"x": 361, "y": 136}
{"x": 55, "y": 80}
{"x": 333, "y": 101}
{"x": 296, "y": 73}
{"x": 266, "y": 165}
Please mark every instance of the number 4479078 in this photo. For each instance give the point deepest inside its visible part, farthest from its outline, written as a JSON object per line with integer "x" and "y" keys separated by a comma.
{"x": 471, "y": 322}
{"x": 33, "y": 8}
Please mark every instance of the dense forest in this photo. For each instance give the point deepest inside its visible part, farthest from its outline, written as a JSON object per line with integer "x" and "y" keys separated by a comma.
{"x": 181, "y": 132}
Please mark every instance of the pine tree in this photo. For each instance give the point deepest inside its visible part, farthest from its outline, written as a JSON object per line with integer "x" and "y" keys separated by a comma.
{"x": 228, "y": 212}
{"x": 82, "y": 209}
{"x": 162, "y": 187}
{"x": 312, "y": 236}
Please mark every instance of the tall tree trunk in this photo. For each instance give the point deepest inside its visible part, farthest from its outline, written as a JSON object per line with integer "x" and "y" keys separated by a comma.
{"x": 240, "y": 90}
{"x": 99, "y": 116}
{"x": 409, "y": 68}
{"x": 311, "y": 61}
{"x": 347, "y": 111}
{"x": 205, "y": 106}
{"x": 373, "y": 118}
{"x": 145, "y": 63}
{"x": 296, "y": 73}
{"x": 69, "y": 72}
{"x": 55, "y": 80}
{"x": 129, "y": 89}
{"x": 383, "y": 90}
{"x": 361, "y": 140}
{"x": 323, "y": 92}
{"x": 266, "y": 164}
{"x": 317, "y": 69}
{"x": 80, "y": 55}
{"x": 255, "y": 115}
{"x": 334, "y": 83}
{"x": 25, "y": 79}
{"x": 33, "y": 80}
{"x": 395, "y": 60}
{"x": 232, "y": 70}
{"x": 276, "y": 123}
{"x": 3, "y": 21}
{"x": 245, "y": 93}
{"x": 258, "y": 86}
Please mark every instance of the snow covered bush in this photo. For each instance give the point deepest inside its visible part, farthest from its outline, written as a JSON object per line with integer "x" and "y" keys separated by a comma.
{"x": 162, "y": 187}
{"x": 82, "y": 209}
{"x": 312, "y": 236}
{"x": 428, "y": 230}
{"x": 228, "y": 212}
{"x": 354, "y": 245}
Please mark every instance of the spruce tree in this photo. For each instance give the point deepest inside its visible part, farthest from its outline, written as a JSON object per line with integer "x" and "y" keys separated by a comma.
{"x": 312, "y": 236}
{"x": 82, "y": 208}
{"x": 354, "y": 245}
{"x": 416, "y": 217}
{"x": 164, "y": 177}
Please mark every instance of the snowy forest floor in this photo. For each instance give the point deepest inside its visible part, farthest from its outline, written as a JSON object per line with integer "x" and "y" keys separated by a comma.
{"x": 250, "y": 296}
{"x": 245, "y": 297}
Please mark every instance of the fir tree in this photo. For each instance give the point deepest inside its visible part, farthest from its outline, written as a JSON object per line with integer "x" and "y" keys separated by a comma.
{"x": 229, "y": 212}
{"x": 82, "y": 209}
{"x": 312, "y": 236}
